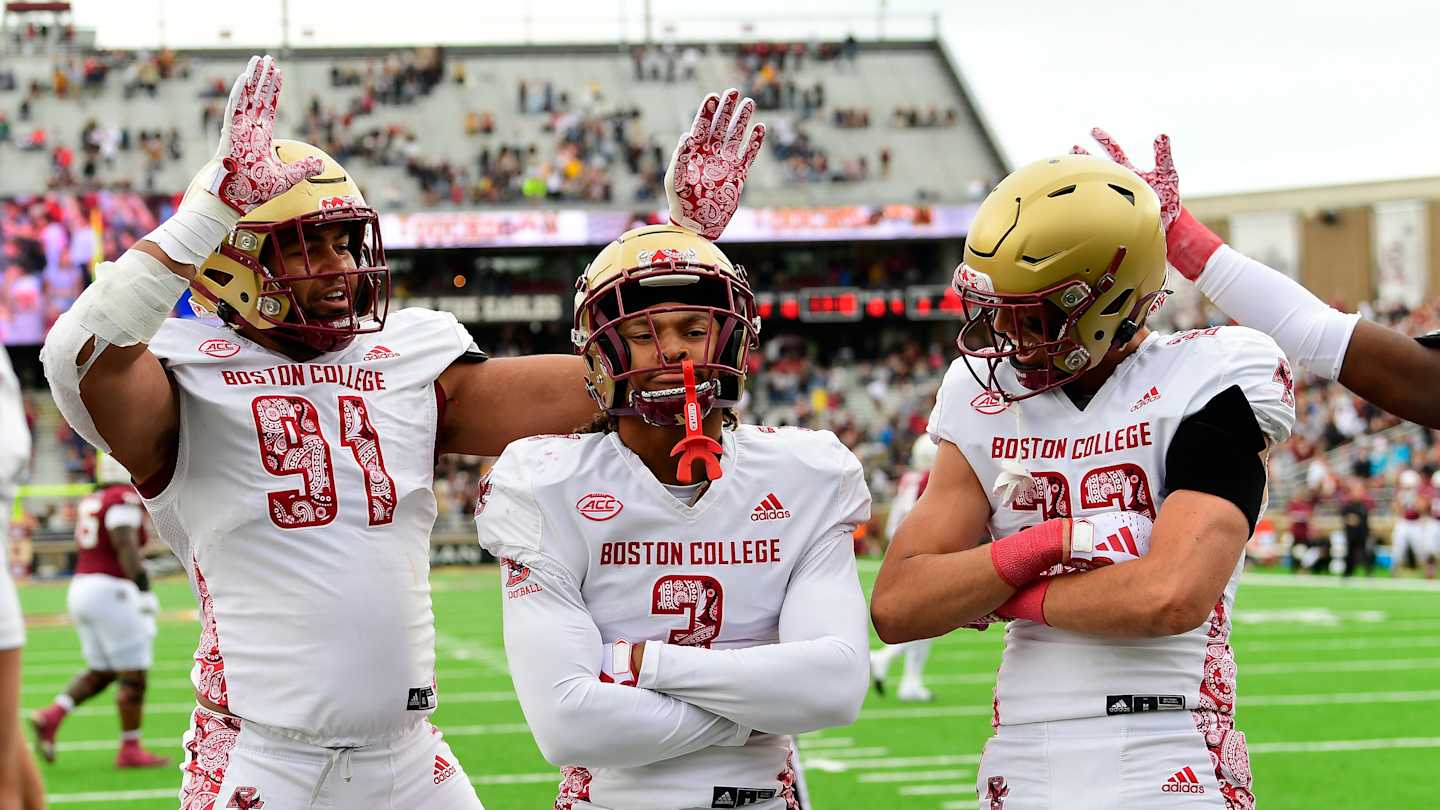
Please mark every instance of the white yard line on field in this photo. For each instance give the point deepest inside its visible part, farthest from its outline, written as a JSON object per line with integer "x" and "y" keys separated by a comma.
{"x": 1367, "y": 584}
{"x": 936, "y": 790}
{"x": 469, "y": 650}
{"x": 917, "y": 776}
{"x": 114, "y": 796}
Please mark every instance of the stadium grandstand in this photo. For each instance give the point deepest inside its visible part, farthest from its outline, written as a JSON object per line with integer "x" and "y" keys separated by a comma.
{"x": 500, "y": 170}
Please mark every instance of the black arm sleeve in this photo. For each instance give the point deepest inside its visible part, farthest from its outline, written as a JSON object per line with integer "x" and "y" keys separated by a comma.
{"x": 1216, "y": 450}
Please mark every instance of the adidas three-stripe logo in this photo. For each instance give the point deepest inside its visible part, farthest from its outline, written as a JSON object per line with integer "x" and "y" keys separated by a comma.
{"x": 443, "y": 769}
{"x": 770, "y": 509}
{"x": 1183, "y": 781}
{"x": 1123, "y": 542}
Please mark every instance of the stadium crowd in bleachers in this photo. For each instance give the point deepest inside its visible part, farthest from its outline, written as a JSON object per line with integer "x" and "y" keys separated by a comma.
{"x": 567, "y": 143}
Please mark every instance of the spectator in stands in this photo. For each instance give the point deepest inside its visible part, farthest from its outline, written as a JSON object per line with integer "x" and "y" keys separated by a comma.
{"x": 1355, "y": 519}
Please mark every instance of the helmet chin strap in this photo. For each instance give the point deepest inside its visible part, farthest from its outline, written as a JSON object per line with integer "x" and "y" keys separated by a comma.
{"x": 696, "y": 446}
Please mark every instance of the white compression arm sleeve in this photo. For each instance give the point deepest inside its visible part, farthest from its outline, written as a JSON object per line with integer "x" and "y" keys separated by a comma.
{"x": 1314, "y": 334}
{"x": 815, "y": 677}
{"x": 127, "y": 304}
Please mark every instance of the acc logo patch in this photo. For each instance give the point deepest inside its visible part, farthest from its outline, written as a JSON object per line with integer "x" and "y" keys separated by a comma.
{"x": 599, "y": 506}
{"x": 989, "y": 403}
{"x": 219, "y": 347}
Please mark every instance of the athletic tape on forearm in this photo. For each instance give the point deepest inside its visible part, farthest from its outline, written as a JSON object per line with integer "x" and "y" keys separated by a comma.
{"x": 196, "y": 230}
{"x": 1028, "y": 553}
{"x": 1310, "y": 332}
{"x": 127, "y": 304}
{"x": 1028, "y": 603}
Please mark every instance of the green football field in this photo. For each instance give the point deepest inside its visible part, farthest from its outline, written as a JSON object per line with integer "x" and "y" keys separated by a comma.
{"x": 1339, "y": 697}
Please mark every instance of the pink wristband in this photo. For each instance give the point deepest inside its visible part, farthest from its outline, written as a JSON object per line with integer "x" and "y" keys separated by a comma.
{"x": 1028, "y": 553}
{"x": 1189, "y": 245}
{"x": 1028, "y": 603}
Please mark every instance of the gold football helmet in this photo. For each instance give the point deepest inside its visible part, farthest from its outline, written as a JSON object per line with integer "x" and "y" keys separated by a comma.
{"x": 244, "y": 280}
{"x": 653, "y": 270}
{"x": 1069, "y": 254}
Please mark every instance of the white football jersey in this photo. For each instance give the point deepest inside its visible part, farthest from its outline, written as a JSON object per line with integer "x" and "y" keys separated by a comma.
{"x": 585, "y": 511}
{"x": 1111, "y": 455}
{"x": 301, "y": 503}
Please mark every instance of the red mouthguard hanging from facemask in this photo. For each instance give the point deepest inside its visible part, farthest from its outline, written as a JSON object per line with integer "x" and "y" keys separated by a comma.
{"x": 696, "y": 446}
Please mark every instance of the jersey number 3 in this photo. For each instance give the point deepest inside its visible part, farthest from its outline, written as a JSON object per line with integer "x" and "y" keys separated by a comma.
{"x": 291, "y": 443}
{"x": 697, "y": 596}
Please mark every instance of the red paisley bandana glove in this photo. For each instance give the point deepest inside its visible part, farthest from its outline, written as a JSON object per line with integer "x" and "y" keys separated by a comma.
{"x": 709, "y": 166}
{"x": 1163, "y": 178}
{"x": 245, "y": 172}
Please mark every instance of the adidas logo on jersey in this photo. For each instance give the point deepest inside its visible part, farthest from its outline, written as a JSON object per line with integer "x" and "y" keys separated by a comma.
{"x": 1121, "y": 706}
{"x": 1149, "y": 397}
{"x": 1184, "y": 781}
{"x": 380, "y": 353}
{"x": 770, "y": 509}
{"x": 443, "y": 769}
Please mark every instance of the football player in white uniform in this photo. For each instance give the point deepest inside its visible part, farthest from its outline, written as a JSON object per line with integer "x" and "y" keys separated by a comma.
{"x": 113, "y": 610}
{"x": 1394, "y": 371}
{"x": 287, "y": 458}
{"x": 1410, "y": 535}
{"x": 1117, "y": 683}
{"x": 669, "y": 630}
{"x": 19, "y": 781}
{"x": 907, "y": 492}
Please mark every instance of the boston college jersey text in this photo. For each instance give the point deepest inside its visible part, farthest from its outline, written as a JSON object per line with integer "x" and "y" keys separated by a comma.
{"x": 694, "y": 552}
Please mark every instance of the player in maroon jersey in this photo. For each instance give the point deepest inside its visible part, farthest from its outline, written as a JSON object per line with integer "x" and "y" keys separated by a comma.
{"x": 114, "y": 613}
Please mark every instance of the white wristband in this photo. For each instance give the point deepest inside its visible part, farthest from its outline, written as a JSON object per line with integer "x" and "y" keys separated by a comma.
{"x": 1314, "y": 334}
{"x": 196, "y": 229}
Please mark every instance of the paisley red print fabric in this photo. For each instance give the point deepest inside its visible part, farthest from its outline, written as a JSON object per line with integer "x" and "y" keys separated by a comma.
{"x": 246, "y": 170}
{"x": 1163, "y": 179}
{"x": 710, "y": 164}
{"x": 1215, "y": 716}
{"x": 209, "y": 673}
{"x": 207, "y": 754}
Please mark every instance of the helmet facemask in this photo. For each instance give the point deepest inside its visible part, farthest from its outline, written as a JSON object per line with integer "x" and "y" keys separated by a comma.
{"x": 281, "y": 313}
{"x": 631, "y": 302}
{"x": 1037, "y": 333}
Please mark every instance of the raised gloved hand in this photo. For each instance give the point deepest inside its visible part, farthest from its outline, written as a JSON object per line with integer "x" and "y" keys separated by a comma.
{"x": 708, "y": 169}
{"x": 1163, "y": 179}
{"x": 1188, "y": 243}
{"x": 245, "y": 172}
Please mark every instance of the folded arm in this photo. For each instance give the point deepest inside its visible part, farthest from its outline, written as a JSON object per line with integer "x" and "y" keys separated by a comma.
{"x": 554, "y": 649}
{"x": 1197, "y": 542}
{"x": 814, "y": 677}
